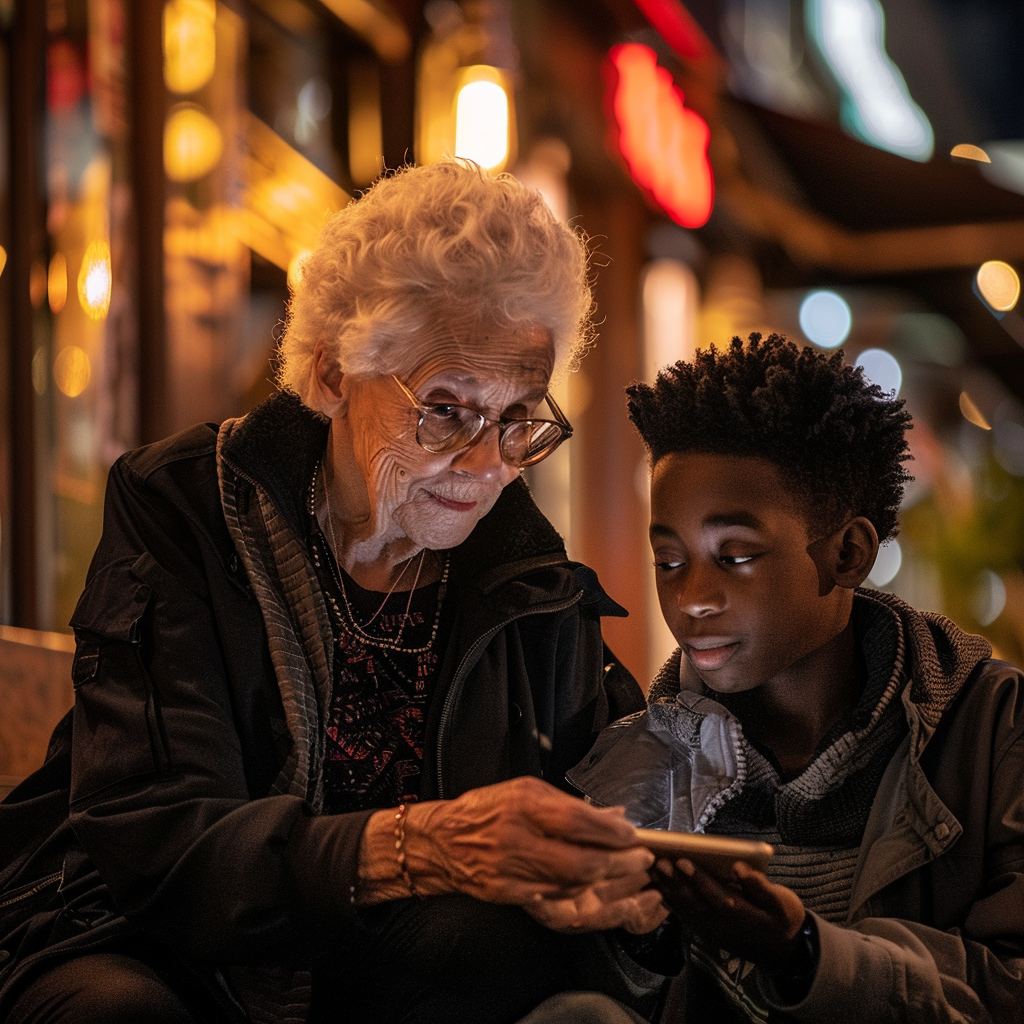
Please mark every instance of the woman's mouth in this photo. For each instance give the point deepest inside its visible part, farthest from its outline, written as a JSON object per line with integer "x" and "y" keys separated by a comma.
{"x": 455, "y": 506}
{"x": 708, "y": 653}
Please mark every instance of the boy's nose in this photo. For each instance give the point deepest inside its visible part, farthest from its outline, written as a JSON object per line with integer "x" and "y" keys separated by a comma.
{"x": 699, "y": 595}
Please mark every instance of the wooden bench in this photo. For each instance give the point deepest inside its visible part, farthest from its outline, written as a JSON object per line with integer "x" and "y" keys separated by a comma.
{"x": 35, "y": 693}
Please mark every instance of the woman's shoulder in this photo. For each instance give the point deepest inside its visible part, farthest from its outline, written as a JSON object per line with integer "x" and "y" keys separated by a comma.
{"x": 196, "y": 442}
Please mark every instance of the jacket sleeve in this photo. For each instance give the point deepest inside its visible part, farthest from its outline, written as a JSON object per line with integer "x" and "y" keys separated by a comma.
{"x": 592, "y": 688}
{"x": 886, "y": 969}
{"x": 163, "y": 797}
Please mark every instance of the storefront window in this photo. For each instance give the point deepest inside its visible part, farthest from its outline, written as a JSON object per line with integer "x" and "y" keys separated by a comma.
{"x": 85, "y": 372}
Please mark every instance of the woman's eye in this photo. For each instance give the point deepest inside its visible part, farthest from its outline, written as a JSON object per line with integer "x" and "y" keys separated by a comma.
{"x": 667, "y": 566}
{"x": 443, "y": 411}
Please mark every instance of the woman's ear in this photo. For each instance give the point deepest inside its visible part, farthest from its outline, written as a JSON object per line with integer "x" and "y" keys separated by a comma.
{"x": 854, "y": 549}
{"x": 328, "y": 383}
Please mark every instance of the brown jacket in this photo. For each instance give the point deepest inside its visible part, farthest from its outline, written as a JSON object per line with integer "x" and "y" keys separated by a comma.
{"x": 935, "y": 928}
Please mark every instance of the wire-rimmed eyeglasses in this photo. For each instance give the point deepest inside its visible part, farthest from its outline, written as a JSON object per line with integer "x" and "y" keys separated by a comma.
{"x": 445, "y": 427}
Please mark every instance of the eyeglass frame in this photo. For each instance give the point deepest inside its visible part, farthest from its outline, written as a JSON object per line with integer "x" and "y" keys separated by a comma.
{"x": 560, "y": 421}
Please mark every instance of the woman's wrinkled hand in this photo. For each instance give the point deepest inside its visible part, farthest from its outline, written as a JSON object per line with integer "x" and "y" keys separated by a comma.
{"x": 745, "y": 913}
{"x": 626, "y": 902}
{"x": 528, "y": 843}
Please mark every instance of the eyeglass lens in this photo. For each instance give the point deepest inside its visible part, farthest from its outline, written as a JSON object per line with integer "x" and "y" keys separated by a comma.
{"x": 454, "y": 427}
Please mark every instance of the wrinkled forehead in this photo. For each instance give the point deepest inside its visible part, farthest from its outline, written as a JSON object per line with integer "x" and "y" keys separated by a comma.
{"x": 472, "y": 350}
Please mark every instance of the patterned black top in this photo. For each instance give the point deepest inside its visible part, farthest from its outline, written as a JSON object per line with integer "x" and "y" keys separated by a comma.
{"x": 380, "y": 697}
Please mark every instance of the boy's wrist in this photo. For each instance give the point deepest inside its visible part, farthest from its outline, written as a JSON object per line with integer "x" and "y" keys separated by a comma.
{"x": 792, "y": 976}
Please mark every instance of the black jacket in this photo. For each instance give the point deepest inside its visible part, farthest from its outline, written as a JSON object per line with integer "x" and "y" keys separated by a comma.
{"x": 179, "y": 731}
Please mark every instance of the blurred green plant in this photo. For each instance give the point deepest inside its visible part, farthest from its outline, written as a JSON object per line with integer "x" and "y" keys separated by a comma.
{"x": 966, "y": 533}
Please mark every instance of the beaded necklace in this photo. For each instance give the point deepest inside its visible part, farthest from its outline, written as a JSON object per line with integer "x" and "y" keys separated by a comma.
{"x": 385, "y": 643}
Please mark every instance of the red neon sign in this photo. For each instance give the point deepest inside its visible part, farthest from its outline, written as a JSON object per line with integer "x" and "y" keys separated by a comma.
{"x": 664, "y": 144}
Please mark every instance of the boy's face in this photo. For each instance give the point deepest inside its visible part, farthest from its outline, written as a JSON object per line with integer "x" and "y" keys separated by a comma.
{"x": 739, "y": 579}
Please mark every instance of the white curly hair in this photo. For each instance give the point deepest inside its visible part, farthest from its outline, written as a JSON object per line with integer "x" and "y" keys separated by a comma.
{"x": 426, "y": 243}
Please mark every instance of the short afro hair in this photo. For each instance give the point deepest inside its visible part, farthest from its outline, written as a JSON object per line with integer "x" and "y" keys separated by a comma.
{"x": 837, "y": 439}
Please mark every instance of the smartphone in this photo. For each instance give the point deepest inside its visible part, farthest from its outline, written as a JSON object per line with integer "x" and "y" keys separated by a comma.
{"x": 713, "y": 853}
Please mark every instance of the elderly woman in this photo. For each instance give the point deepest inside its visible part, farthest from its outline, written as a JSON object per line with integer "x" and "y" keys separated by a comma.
{"x": 331, "y": 657}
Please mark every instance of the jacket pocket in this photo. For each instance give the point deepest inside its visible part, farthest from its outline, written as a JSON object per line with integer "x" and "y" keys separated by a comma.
{"x": 117, "y": 735}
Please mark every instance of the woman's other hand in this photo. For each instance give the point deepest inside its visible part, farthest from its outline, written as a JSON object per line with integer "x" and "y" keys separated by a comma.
{"x": 625, "y": 902}
{"x": 745, "y": 914}
{"x": 522, "y": 841}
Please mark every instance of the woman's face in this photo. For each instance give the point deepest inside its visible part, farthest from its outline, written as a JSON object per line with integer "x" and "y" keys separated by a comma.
{"x": 436, "y": 500}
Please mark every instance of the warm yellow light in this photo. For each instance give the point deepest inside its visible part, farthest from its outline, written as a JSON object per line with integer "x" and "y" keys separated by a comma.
{"x": 967, "y": 152}
{"x": 94, "y": 280}
{"x": 482, "y": 119}
{"x": 192, "y": 144}
{"x": 72, "y": 370}
{"x": 972, "y": 413}
{"x": 999, "y": 285}
{"x": 190, "y": 44}
{"x": 57, "y": 282}
{"x": 3, "y": 258}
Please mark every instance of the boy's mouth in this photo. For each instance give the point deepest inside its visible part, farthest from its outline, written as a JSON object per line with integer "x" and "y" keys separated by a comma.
{"x": 708, "y": 653}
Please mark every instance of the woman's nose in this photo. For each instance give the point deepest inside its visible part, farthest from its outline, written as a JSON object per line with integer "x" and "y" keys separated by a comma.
{"x": 482, "y": 457}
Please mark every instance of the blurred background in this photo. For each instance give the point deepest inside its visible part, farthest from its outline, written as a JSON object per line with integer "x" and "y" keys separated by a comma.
{"x": 849, "y": 172}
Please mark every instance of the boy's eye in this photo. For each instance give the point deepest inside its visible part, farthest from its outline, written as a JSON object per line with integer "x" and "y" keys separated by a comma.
{"x": 666, "y": 566}
{"x": 736, "y": 559}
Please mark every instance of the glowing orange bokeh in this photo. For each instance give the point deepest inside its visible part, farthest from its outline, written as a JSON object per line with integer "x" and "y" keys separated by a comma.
{"x": 664, "y": 145}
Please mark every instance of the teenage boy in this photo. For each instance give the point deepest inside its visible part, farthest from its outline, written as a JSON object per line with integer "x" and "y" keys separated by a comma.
{"x": 879, "y": 749}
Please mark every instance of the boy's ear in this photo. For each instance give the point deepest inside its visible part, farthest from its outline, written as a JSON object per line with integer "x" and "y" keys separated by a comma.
{"x": 853, "y": 547}
{"x": 328, "y": 387}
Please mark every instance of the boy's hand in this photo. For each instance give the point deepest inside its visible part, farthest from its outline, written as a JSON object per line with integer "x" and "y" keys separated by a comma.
{"x": 746, "y": 914}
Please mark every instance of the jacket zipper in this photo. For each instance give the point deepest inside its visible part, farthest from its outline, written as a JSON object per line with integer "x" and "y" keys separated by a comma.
{"x": 38, "y": 887}
{"x": 457, "y": 679}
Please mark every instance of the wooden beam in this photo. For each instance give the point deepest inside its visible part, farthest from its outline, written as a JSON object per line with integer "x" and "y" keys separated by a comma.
{"x": 28, "y": 219}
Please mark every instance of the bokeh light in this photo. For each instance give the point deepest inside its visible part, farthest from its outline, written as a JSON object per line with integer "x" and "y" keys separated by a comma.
{"x": 72, "y": 370}
{"x": 825, "y": 319}
{"x": 876, "y": 105}
{"x": 881, "y": 368}
{"x": 972, "y": 413}
{"x": 94, "y": 280}
{"x": 190, "y": 44}
{"x": 671, "y": 303}
{"x": 887, "y": 564}
{"x": 965, "y": 151}
{"x": 192, "y": 144}
{"x": 482, "y": 123}
{"x": 999, "y": 285}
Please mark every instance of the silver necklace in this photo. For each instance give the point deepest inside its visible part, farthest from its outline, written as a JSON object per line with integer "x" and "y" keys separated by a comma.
{"x": 387, "y": 643}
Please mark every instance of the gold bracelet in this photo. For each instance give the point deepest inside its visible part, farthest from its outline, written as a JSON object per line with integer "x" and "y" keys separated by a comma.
{"x": 403, "y": 868}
